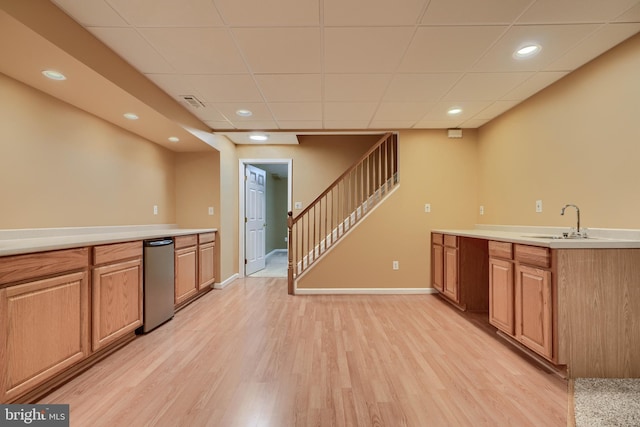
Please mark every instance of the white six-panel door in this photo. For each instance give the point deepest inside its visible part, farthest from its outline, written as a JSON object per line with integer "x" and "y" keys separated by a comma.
{"x": 255, "y": 223}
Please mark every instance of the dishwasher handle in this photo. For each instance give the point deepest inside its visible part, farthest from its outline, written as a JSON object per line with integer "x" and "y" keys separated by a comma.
{"x": 158, "y": 242}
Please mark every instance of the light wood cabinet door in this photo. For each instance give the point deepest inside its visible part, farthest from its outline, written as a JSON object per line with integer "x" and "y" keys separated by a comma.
{"x": 186, "y": 264}
{"x": 534, "y": 309}
{"x": 501, "y": 295}
{"x": 117, "y": 301}
{"x": 437, "y": 266}
{"x": 206, "y": 268}
{"x": 450, "y": 282}
{"x": 44, "y": 329}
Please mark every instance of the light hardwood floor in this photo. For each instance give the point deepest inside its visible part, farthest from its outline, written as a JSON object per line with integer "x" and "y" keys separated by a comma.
{"x": 251, "y": 355}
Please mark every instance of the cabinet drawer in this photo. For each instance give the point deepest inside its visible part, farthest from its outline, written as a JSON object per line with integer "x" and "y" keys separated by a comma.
{"x": 185, "y": 241}
{"x": 436, "y": 238}
{"x": 533, "y": 255}
{"x": 451, "y": 241}
{"x": 501, "y": 249}
{"x": 109, "y": 253}
{"x": 206, "y": 237}
{"x": 30, "y": 266}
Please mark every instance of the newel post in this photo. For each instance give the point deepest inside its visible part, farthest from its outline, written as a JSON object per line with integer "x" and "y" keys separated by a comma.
{"x": 290, "y": 252}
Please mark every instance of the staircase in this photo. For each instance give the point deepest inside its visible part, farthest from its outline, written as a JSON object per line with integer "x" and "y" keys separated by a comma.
{"x": 341, "y": 206}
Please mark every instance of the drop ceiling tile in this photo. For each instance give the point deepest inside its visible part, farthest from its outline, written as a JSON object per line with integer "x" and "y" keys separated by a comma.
{"x": 438, "y": 112}
{"x": 174, "y": 84}
{"x": 355, "y": 87}
{"x": 344, "y": 125}
{"x": 215, "y": 125}
{"x": 391, "y": 124}
{"x": 91, "y": 13}
{"x": 448, "y": 49}
{"x": 536, "y": 83}
{"x": 133, "y": 48}
{"x": 196, "y": 50}
{"x": 364, "y": 50}
{"x": 631, "y": 15}
{"x": 485, "y": 86}
{"x": 207, "y": 113}
{"x": 259, "y": 109}
{"x": 495, "y": 109}
{"x": 296, "y": 110}
{"x": 420, "y": 87}
{"x": 371, "y": 12}
{"x": 473, "y": 123}
{"x": 280, "y": 50}
{"x": 225, "y": 87}
{"x": 575, "y": 11}
{"x": 260, "y": 13}
{"x": 300, "y": 124}
{"x": 168, "y": 13}
{"x": 438, "y": 124}
{"x": 402, "y": 111}
{"x": 463, "y": 12}
{"x": 256, "y": 125}
{"x": 349, "y": 111}
{"x": 555, "y": 40}
{"x": 290, "y": 87}
{"x": 594, "y": 45}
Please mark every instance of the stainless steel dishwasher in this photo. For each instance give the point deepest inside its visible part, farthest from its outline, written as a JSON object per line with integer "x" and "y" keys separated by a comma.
{"x": 158, "y": 282}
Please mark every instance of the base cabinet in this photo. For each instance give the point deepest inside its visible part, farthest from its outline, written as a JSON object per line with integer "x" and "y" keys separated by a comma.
{"x": 44, "y": 323}
{"x": 186, "y": 268}
{"x": 206, "y": 260}
{"x": 116, "y": 292}
{"x": 534, "y": 310}
{"x": 459, "y": 270}
{"x": 521, "y": 295}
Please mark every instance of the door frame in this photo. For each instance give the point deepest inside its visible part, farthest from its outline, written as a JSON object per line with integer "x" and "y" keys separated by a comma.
{"x": 241, "y": 172}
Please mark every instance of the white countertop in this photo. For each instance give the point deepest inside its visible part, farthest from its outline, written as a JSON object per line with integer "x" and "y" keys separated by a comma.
{"x": 23, "y": 241}
{"x": 599, "y": 238}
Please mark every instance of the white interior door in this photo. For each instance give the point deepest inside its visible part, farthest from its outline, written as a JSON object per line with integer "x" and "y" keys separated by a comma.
{"x": 255, "y": 222}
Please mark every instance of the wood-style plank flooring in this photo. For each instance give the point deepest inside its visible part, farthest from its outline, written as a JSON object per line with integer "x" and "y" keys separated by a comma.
{"x": 251, "y": 355}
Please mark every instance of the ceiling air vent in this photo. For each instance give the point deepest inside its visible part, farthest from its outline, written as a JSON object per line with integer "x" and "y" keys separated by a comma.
{"x": 192, "y": 101}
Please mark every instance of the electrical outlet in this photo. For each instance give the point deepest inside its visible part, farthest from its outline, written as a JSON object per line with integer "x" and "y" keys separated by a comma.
{"x": 155, "y": 209}
{"x": 538, "y": 206}
{"x": 427, "y": 207}
{"x": 396, "y": 265}
{"x": 481, "y": 210}
{"x": 210, "y": 210}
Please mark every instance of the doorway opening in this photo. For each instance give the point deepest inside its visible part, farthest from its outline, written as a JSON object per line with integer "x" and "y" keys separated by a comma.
{"x": 271, "y": 240}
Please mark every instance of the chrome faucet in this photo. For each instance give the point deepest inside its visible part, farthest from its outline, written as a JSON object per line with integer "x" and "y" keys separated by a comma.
{"x": 577, "y": 233}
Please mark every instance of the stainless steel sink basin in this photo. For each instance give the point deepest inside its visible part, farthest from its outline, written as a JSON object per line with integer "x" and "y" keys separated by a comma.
{"x": 560, "y": 237}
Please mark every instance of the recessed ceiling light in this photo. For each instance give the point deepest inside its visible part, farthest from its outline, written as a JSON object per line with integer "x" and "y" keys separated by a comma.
{"x": 244, "y": 113}
{"x": 527, "y": 51}
{"x": 174, "y": 139}
{"x": 130, "y": 116}
{"x": 455, "y": 110}
{"x": 54, "y": 75}
{"x": 259, "y": 137}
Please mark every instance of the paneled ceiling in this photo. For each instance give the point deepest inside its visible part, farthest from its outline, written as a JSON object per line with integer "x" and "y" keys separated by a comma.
{"x": 330, "y": 65}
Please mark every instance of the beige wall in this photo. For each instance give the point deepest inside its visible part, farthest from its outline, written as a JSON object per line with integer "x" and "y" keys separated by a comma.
{"x": 578, "y": 142}
{"x": 62, "y": 167}
{"x": 433, "y": 169}
{"x": 197, "y": 189}
{"x": 228, "y": 236}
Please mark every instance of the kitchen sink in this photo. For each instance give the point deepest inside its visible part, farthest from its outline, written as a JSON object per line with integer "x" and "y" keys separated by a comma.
{"x": 560, "y": 237}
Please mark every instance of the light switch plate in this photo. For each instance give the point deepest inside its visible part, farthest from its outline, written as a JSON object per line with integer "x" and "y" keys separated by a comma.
{"x": 297, "y": 205}
{"x": 427, "y": 207}
{"x": 538, "y": 206}
{"x": 210, "y": 210}
{"x": 155, "y": 209}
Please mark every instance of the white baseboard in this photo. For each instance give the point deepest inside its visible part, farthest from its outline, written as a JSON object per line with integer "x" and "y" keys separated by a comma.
{"x": 364, "y": 291}
{"x": 225, "y": 283}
